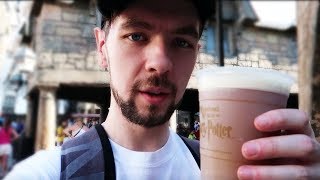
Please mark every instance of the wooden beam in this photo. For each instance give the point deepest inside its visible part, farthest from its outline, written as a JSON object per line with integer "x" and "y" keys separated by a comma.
{"x": 309, "y": 60}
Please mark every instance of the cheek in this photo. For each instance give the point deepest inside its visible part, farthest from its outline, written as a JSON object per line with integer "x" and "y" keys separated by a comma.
{"x": 120, "y": 77}
{"x": 184, "y": 67}
{"x": 124, "y": 67}
{"x": 183, "y": 72}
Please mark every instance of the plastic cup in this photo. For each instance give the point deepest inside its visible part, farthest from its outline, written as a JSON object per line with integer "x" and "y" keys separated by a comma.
{"x": 230, "y": 99}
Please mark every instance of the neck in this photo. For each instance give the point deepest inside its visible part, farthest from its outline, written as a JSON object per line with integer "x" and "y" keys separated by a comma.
{"x": 133, "y": 136}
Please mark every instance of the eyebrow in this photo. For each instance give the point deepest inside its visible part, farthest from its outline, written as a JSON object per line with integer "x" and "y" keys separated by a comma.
{"x": 189, "y": 30}
{"x": 134, "y": 23}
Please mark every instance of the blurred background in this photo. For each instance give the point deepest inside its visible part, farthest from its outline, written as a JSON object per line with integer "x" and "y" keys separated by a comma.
{"x": 50, "y": 77}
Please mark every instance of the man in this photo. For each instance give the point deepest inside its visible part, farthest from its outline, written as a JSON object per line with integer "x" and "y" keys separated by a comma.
{"x": 77, "y": 129}
{"x": 59, "y": 132}
{"x": 150, "y": 48}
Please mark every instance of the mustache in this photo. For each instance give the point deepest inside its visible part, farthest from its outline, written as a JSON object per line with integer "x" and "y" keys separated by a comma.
{"x": 154, "y": 81}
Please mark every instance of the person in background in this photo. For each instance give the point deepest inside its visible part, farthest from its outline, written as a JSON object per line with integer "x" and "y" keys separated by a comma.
{"x": 192, "y": 135}
{"x": 1, "y": 121}
{"x": 95, "y": 121}
{"x": 20, "y": 126}
{"x": 149, "y": 48}
{"x": 89, "y": 123}
{"x": 196, "y": 126}
{"x": 7, "y": 134}
{"x": 77, "y": 129}
{"x": 60, "y": 134}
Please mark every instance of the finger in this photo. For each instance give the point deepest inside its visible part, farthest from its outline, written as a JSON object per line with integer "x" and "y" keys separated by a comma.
{"x": 290, "y": 146}
{"x": 294, "y": 120}
{"x": 277, "y": 172}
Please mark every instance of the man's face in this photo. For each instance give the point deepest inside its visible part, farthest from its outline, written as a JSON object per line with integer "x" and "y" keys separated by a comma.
{"x": 151, "y": 49}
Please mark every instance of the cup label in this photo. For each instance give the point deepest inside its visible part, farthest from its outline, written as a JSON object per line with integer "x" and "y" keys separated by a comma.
{"x": 226, "y": 122}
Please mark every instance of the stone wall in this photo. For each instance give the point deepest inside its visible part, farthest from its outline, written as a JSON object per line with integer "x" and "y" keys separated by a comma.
{"x": 64, "y": 41}
{"x": 262, "y": 48}
{"x": 64, "y": 38}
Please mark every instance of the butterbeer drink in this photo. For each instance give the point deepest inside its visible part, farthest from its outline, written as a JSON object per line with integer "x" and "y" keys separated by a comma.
{"x": 230, "y": 99}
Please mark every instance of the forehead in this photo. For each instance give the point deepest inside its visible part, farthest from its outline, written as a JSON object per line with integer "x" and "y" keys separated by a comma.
{"x": 166, "y": 6}
{"x": 162, "y": 11}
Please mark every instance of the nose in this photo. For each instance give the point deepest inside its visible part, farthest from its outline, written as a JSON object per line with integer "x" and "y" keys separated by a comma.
{"x": 158, "y": 57}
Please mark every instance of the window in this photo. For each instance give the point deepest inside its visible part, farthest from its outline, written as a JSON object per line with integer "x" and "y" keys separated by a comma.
{"x": 209, "y": 40}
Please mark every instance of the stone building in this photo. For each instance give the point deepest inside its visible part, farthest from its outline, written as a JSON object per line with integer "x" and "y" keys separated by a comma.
{"x": 15, "y": 83}
{"x": 13, "y": 57}
{"x": 61, "y": 36}
{"x": 246, "y": 44}
{"x": 66, "y": 68}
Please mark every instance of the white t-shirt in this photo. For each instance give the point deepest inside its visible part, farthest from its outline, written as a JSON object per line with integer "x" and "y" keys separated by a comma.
{"x": 43, "y": 165}
{"x": 172, "y": 161}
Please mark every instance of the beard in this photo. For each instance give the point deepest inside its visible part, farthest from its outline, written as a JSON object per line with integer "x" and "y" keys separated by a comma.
{"x": 153, "y": 116}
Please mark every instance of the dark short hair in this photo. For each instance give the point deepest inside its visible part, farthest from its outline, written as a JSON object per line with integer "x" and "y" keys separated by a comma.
{"x": 109, "y": 9}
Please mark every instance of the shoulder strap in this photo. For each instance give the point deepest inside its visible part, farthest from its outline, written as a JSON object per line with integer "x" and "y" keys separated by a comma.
{"x": 110, "y": 168}
{"x": 88, "y": 156}
{"x": 82, "y": 157}
{"x": 194, "y": 148}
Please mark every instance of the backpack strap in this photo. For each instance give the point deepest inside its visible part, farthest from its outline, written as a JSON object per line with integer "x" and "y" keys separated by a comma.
{"x": 90, "y": 156}
{"x": 110, "y": 168}
{"x": 194, "y": 148}
{"x": 82, "y": 157}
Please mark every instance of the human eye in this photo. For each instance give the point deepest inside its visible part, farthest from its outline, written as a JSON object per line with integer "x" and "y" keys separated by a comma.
{"x": 183, "y": 43}
{"x": 136, "y": 37}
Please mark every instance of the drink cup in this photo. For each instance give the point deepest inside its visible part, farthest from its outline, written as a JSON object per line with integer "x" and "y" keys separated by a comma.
{"x": 230, "y": 99}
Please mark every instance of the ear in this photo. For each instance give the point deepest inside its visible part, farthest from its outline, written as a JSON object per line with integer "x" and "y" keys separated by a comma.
{"x": 198, "y": 49}
{"x": 100, "y": 36}
{"x": 199, "y": 46}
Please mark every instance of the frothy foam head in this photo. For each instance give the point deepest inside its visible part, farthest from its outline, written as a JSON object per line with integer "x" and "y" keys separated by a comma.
{"x": 244, "y": 78}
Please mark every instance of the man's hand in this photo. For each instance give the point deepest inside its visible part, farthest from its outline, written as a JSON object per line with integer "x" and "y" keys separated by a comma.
{"x": 293, "y": 154}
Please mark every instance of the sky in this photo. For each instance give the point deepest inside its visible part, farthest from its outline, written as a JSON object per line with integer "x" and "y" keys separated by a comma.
{"x": 275, "y": 14}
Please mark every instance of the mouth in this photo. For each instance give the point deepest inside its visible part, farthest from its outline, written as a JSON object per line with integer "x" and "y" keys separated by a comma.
{"x": 155, "y": 95}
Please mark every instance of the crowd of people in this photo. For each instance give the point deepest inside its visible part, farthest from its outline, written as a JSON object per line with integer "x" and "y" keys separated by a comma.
{"x": 149, "y": 49}
{"x": 69, "y": 128}
{"x": 188, "y": 129}
{"x": 9, "y": 131}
